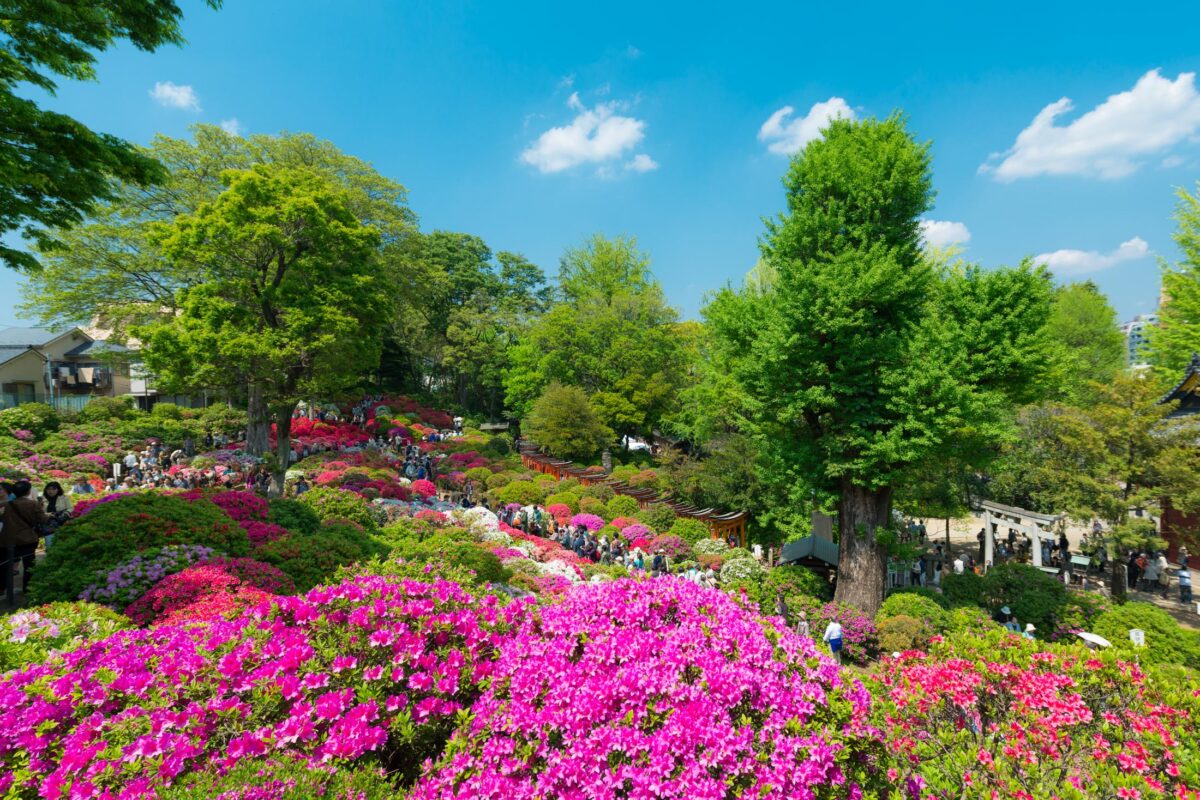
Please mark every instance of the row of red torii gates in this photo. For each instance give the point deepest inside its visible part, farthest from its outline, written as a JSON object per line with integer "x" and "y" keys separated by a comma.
{"x": 725, "y": 526}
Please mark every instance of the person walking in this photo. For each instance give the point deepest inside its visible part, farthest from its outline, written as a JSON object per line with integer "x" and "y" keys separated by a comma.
{"x": 22, "y": 517}
{"x": 833, "y": 637}
{"x": 1185, "y": 585}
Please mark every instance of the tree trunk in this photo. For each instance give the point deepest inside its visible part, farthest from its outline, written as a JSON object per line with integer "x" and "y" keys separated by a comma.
{"x": 283, "y": 450}
{"x": 947, "y": 537}
{"x": 1118, "y": 578}
{"x": 258, "y": 422}
{"x": 862, "y": 562}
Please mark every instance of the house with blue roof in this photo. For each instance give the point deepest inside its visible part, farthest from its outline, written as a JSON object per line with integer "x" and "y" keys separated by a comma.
{"x": 64, "y": 368}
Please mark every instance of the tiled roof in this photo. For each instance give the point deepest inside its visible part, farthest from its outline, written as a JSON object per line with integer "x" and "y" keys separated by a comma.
{"x": 26, "y": 336}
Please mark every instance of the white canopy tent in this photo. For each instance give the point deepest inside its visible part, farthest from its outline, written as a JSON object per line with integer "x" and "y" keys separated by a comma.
{"x": 1034, "y": 525}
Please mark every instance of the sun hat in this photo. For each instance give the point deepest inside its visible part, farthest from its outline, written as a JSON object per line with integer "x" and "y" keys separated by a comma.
{"x": 1005, "y": 610}
{"x": 1029, "y": 628}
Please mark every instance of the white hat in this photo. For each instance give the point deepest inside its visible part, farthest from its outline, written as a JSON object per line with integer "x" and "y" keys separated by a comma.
{"x": 1029, "y": 628}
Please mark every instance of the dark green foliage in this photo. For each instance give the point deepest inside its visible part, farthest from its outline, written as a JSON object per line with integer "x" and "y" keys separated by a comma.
{"x": 564, "y": 424}
{"x": 113, "y": 531}
{"x": 659, "y": 517}
{"x": 1032, "y": 595}
{"x": 499, "y": 445}
{"x": 312, "y": 559}
{"x": 293, "y": 515}
{"x": 963, "y": 590}
{"x": 105, "y": 409}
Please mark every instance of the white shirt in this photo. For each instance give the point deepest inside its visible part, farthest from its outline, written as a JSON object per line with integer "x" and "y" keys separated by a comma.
{"x": 958, "y": 566}
{"x": 832, "y": 631}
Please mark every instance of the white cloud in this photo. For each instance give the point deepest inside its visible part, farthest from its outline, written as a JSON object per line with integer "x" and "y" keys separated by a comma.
{"x": 642, "y": 163}
{"x": 942, "y": 233}
{"x": 787, "y": 136}
{"x": 1081, "y": 262}
{"x": 1170, "y": 162}
{"x": 170, "y": 95}
{"x": 595, "y": 136}
{"x": 232, "y": 126}
{"x": 1112, "y": 139}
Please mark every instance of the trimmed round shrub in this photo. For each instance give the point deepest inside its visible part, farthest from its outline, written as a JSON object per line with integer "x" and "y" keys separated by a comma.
{"x": 739, "y": 570}
{"x": 690, "y": 530}
{"x": 114, "y": 531}
{"x": 592, "y": 505}
{"x": 330, "y": 504}
{"x": 1033, "y": 596}
{"x": 924, "y": 591}
{"x": 133, "y": 577}
{"x": 458, "y": 551}
{"x": 969, "y": 618}
{"x": 103, "y": 409}
{"x": 901, "y": 632}
{"x": 293, "y": 515}
{"x": 312, "y": 559}
{"x": 499, "y": 479}
{"x": 567, "y": 499}
{"x": 907, "y": 604}
{"x": 622, "y": 505}
{"x": 600, "y": 491}
{"x": 209, "y": 590}
{"x": 31, "y": 635}
{"x": 526, "y": 493}
{"x": 710, "y": 547}
{"x": 657, "y": 516}
{"x": 499, "y": 445}
{"x": 1167, "y": 642}
{"x": 730, "y": 696}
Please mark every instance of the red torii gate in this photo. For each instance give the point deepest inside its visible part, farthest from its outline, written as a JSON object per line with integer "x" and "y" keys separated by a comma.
{"x": 722, "y": 525}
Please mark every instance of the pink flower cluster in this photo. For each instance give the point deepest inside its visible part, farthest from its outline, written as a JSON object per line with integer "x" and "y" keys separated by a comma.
{"x": 658, "y": 689}
{"x": 368, "y": 666}
{"x": 590, "y": 521}
{"x": 423, "y": 488}
{"x": 188, "y": 594}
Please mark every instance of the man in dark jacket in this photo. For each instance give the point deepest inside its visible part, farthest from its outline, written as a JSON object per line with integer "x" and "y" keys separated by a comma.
{"x": 22, "y": 517}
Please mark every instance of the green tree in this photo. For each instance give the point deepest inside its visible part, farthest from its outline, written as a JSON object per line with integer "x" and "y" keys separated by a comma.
{"x": 866, "y": 358}
{"x": 611, "y": 334}
{"x": 1177, "y": 335}
{"x": 1089, "y": 345}
{"x": 1115, "y": 460}
{"x": 292, "y": 308}
{"x": 563, "y": 423}
{"x": 53, "y": 169}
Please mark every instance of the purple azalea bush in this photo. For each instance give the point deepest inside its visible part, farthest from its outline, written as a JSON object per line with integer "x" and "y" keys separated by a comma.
{"x": 132, "y": 578}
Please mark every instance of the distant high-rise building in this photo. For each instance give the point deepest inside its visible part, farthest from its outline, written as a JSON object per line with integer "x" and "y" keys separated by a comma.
{"x": 1136, "y": 338}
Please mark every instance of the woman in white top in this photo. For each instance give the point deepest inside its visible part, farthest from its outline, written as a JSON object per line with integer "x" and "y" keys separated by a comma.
{"x": 833, "y": 635}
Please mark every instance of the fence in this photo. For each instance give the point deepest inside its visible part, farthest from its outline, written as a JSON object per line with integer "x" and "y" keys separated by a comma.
{"x": 70, "y": 402}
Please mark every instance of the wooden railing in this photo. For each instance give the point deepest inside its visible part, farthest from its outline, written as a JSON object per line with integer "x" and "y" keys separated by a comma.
{"x": 722, "y": 525}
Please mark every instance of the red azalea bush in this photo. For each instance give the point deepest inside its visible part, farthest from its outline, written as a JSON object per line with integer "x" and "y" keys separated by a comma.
{"x": 994, "y": 715}
{"x": 192, "y": 593}
{"x": 423, "y": 488}
{"x": 621, "y": 523}
{"x": 560, "y": 511}
{"x": 262, "y": 532}
{"x": 241, "y": 506}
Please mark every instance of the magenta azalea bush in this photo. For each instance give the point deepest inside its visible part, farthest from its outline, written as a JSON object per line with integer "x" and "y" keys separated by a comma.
{"x": 590, "y": 521}
{"x": 367, "y": 668}
{"x": 659, "y": 689}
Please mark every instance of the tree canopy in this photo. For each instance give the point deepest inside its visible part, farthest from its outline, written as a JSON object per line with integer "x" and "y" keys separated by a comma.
{"x": 865, "y": 358}
{"x": 1177, "y": 335}
{"x": 292, "y": 307}
{"x": 562, "y": 422}
{"x": 53, "y": 169}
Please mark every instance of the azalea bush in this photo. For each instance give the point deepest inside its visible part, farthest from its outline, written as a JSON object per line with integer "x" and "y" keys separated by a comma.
{"x": 664, "y": 689}
{"x": 133, "y": 577}
{"x": 113, "y": 532}
{"x": 310, "y": 559}
{"x": 329, "y": 504}
{"x": 369, "y": 670}
{"x": 590, "y": 521}
{"x": 30, "y": 636}
{"x": 996, "y": 715}
{"x": 293, "y": 515}
{"x": 189, "y": 593}
{"x": 1167, "y": 642}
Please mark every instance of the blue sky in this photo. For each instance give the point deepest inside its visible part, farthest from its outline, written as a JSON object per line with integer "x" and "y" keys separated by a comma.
{"x": 672, "y": 125}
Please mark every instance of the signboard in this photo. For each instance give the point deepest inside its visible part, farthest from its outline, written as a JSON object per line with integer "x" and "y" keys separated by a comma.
{"x": 1138, "y": 637}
